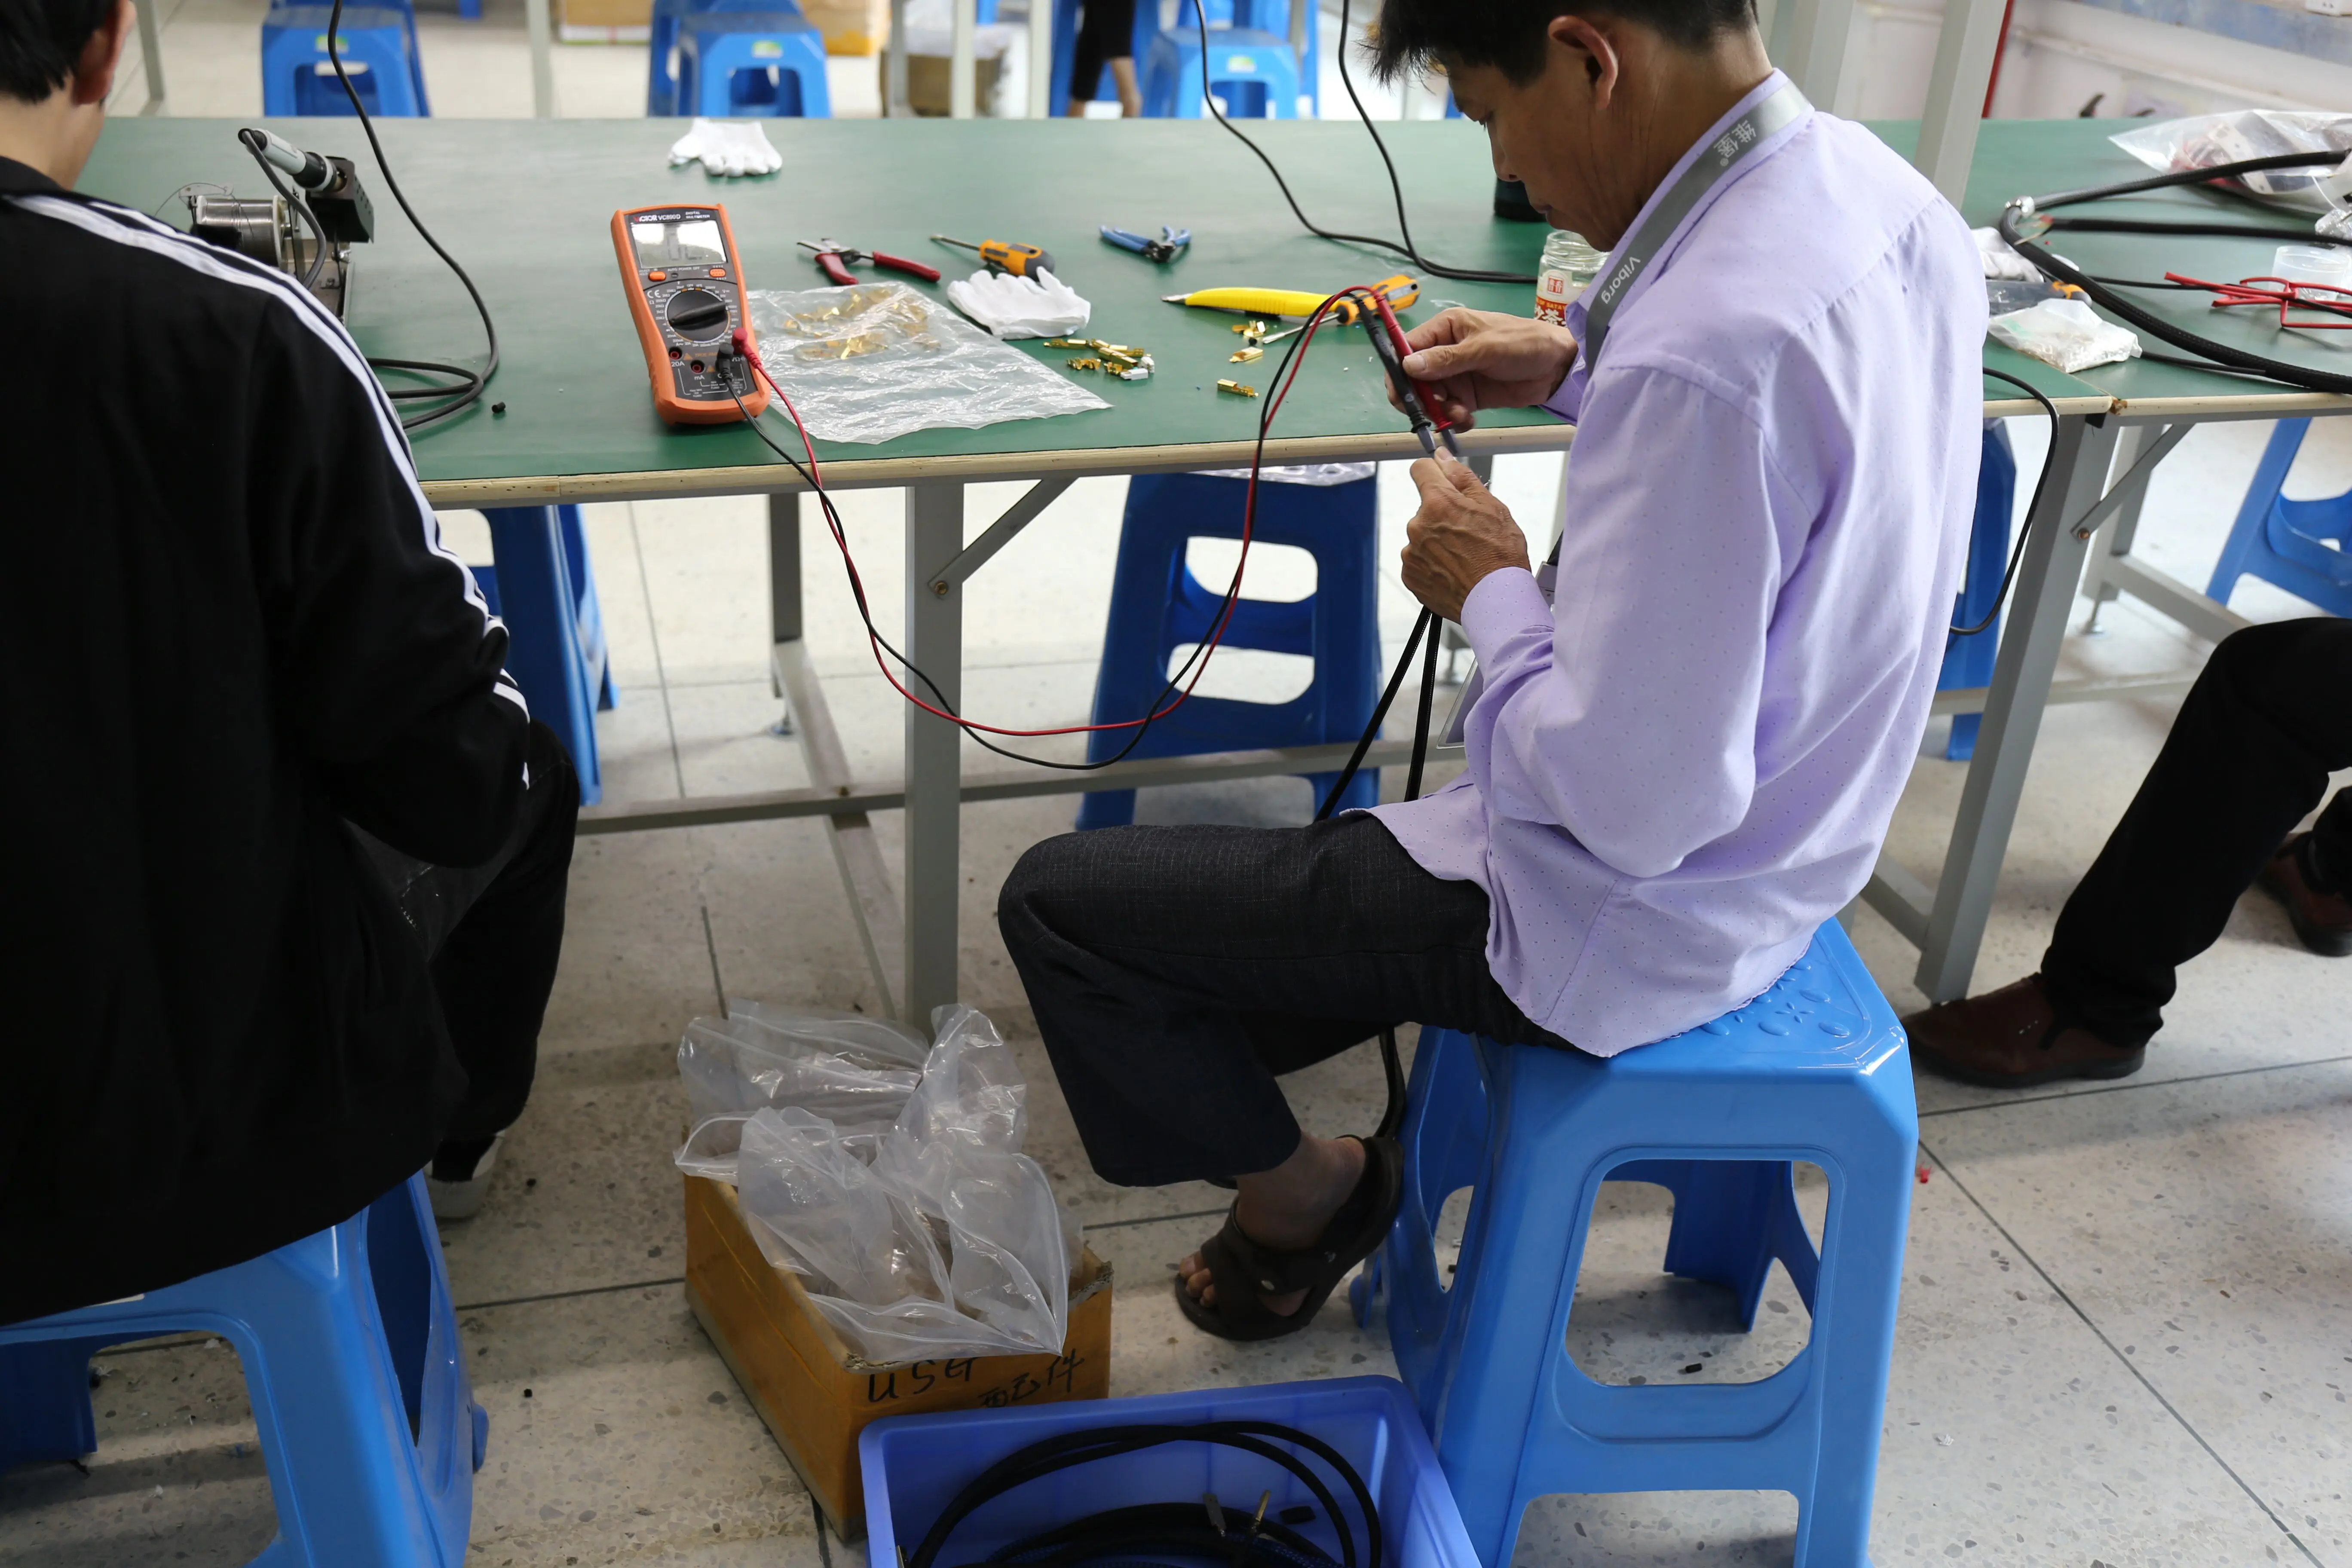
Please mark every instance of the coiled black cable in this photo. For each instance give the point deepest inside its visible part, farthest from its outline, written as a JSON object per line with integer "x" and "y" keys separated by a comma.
{"x": 471, "y": 383}
{"x": 1122, "y": 1531}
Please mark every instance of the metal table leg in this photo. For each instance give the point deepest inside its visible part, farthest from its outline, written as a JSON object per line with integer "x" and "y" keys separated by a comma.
{"x": 542, "y": 58}
{"x": 151, "y": 56}
{"x": 934, "y": 749}
{"x": 2012, "y": 714}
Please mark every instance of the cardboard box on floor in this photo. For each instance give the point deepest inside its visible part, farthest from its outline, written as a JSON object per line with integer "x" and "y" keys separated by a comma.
{"x": 850, "y": 26}
{"x": 816, "y": 1395}
{"x": 604, "y": 21}
{"x": 926, "y": 83}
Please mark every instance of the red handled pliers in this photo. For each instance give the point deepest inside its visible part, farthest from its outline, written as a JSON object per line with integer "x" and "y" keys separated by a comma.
{"x": 837, "y": 258}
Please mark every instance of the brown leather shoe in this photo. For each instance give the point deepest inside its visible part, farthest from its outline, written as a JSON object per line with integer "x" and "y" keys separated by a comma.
{"x": 2323, "y": 921}
{"x": 2010, "y": 1038}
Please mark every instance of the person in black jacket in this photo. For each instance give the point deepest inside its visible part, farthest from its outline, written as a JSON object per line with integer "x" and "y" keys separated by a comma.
{"x": 252, "y": 714}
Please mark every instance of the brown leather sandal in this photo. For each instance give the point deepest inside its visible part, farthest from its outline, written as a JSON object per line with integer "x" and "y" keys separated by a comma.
{"x": 1243, "y": 1272}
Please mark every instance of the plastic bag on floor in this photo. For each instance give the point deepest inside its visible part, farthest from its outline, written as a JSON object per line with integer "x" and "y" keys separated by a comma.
{"x": 929, "y": 1236}
{"x": 739, "y": 1063}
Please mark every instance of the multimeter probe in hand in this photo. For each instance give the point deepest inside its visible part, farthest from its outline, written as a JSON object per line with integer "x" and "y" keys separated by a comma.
{"x": 684, "y": 276}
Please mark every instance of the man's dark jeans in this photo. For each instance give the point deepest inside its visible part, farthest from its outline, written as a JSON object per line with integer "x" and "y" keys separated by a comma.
{"x": 493, "y": 933}
{"x": 1176, "y": 970}
{"x": 2267, "y": 721}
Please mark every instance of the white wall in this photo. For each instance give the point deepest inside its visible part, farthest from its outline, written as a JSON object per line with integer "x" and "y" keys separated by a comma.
{"x": 2062, "y": 54}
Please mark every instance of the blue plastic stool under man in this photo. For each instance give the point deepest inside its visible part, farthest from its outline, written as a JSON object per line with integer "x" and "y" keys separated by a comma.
{"x": 1815, "y": 1069}
{"x": 351, "y": 1357}
{"x": 378, "y": 45}
{"x": 1157, "y": 605}
{"x": 543, "y": 589}
{"x": 1968, "y": 661}
{"x": 2301, "y": 546}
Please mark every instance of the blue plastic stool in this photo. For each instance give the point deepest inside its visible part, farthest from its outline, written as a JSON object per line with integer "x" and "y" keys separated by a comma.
{"x": 662, "y": 98}
{"x": 351, "y": 1357}
{"x": 545, "y": 591}
{"x": 1221, "y": 14}
{"x": 378, "y": 45}
{"x": 1817, "y": 1069}
{"x": 2301, "y": 546}
{"x": 1968, "y": 661}
{"x": 1255, "y": 74}
{"x": 1157, "y": 605}
{"x": 739, "y": 63}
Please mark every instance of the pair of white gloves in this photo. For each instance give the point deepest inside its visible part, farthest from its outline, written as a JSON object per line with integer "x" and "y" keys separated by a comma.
{"x": 730, "y": 148}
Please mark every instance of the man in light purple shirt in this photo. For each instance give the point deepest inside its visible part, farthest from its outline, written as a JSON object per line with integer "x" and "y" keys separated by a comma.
{"x": 1681, "y": 764}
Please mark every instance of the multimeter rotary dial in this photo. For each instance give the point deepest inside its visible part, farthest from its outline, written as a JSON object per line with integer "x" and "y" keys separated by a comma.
{"x": 697, "y": 315}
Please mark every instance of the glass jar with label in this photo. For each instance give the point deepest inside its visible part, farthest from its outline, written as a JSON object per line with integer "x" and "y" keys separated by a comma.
{"x": 1568, "y": 268}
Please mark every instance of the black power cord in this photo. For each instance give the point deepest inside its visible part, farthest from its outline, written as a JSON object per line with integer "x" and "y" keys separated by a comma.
{"x": 2033, "y": 507}
{"x": 2028, "y": 211}
{"x": 471, "y": 383}
{"x": 1396, "y": 188}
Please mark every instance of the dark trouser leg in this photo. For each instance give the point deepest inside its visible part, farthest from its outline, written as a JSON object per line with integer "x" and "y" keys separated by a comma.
{"x": 2266, "y": 722}
{"x": 493, "y": 933}
{"x": 1175, "y": 971}
{"x": 1105, "y": 32}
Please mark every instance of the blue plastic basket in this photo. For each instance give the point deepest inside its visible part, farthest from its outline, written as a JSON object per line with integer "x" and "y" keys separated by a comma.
{"x": 915, "y": 1465}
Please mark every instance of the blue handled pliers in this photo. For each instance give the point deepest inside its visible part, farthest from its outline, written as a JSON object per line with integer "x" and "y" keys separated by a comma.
{"x": 1170, "y": 242}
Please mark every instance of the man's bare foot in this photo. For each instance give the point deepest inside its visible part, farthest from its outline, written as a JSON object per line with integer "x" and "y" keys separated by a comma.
{"x": 1288, "y": 1207}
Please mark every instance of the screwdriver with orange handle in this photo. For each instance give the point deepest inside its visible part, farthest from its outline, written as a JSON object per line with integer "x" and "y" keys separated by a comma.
{"x": 1006, "y": 255}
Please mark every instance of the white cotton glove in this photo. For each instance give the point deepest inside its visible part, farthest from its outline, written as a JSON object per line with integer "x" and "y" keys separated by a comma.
{"x": 729, "y": 148}
{"x": 1011, "y": 307}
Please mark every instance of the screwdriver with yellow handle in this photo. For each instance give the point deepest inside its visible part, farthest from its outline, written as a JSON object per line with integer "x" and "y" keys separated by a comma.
{"x": 1400, "y": 290}
{"x": 1006, "y": 255}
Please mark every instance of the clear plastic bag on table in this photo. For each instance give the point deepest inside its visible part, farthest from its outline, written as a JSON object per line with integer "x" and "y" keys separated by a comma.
{"x": 741, "y": 1063}
{"x": 932, "y": 1235}
{"x": 2203, "y": 141}
{"x": 2066, "y": 333}
{"x": 877, "y": 360}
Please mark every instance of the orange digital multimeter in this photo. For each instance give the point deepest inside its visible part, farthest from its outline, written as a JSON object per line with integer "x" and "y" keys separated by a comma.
{"x": 685, "y": 282}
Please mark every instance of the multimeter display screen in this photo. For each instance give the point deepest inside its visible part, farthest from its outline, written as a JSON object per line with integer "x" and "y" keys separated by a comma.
{"x": 670, "y": 243}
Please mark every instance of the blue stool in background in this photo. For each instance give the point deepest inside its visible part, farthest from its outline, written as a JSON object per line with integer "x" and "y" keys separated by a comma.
{"x": 739, "y": 63}
{"x": 1273, "y": 23}
{"x": 663, "y": 96}
{"x": 2301, "y": 546}
{"x": 1968, "y": 661}
{"x": 545, "y": 591}
{"x": 378, "y": 45}
{"x": 1816, "y": 1070}
{"x": 351, "y": 1357}
{"x": 1255, "y": 72}
{"x": 1157, "y": 605}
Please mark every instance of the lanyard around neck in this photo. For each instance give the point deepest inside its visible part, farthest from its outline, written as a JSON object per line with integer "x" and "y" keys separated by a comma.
{"x": 1634, "y": 253}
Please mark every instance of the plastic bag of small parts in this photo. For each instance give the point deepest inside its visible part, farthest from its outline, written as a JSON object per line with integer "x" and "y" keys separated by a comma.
{"x": 2066, "y": 333}
{"x": 931, "y": 1236}
{"x": 877, "y": 360}
{"x": 2204, "y": 140}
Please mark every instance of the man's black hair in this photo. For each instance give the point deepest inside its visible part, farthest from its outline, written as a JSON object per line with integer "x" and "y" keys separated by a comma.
{"x": 1509, "y": 35}
{"x": 41, "y": 41}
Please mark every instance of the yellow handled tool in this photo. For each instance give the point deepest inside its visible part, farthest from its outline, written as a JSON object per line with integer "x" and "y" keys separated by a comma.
{"x": 1006, "y": 255}
{"x": 1400, "y": 291}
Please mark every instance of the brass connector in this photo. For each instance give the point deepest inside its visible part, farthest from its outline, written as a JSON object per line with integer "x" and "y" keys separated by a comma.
{"x": 1247, "y": 354}
{"x": 1237, "y": 389}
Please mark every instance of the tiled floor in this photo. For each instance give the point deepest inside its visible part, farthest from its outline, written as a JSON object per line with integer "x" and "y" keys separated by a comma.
{"x": 2125, "y": 1337}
